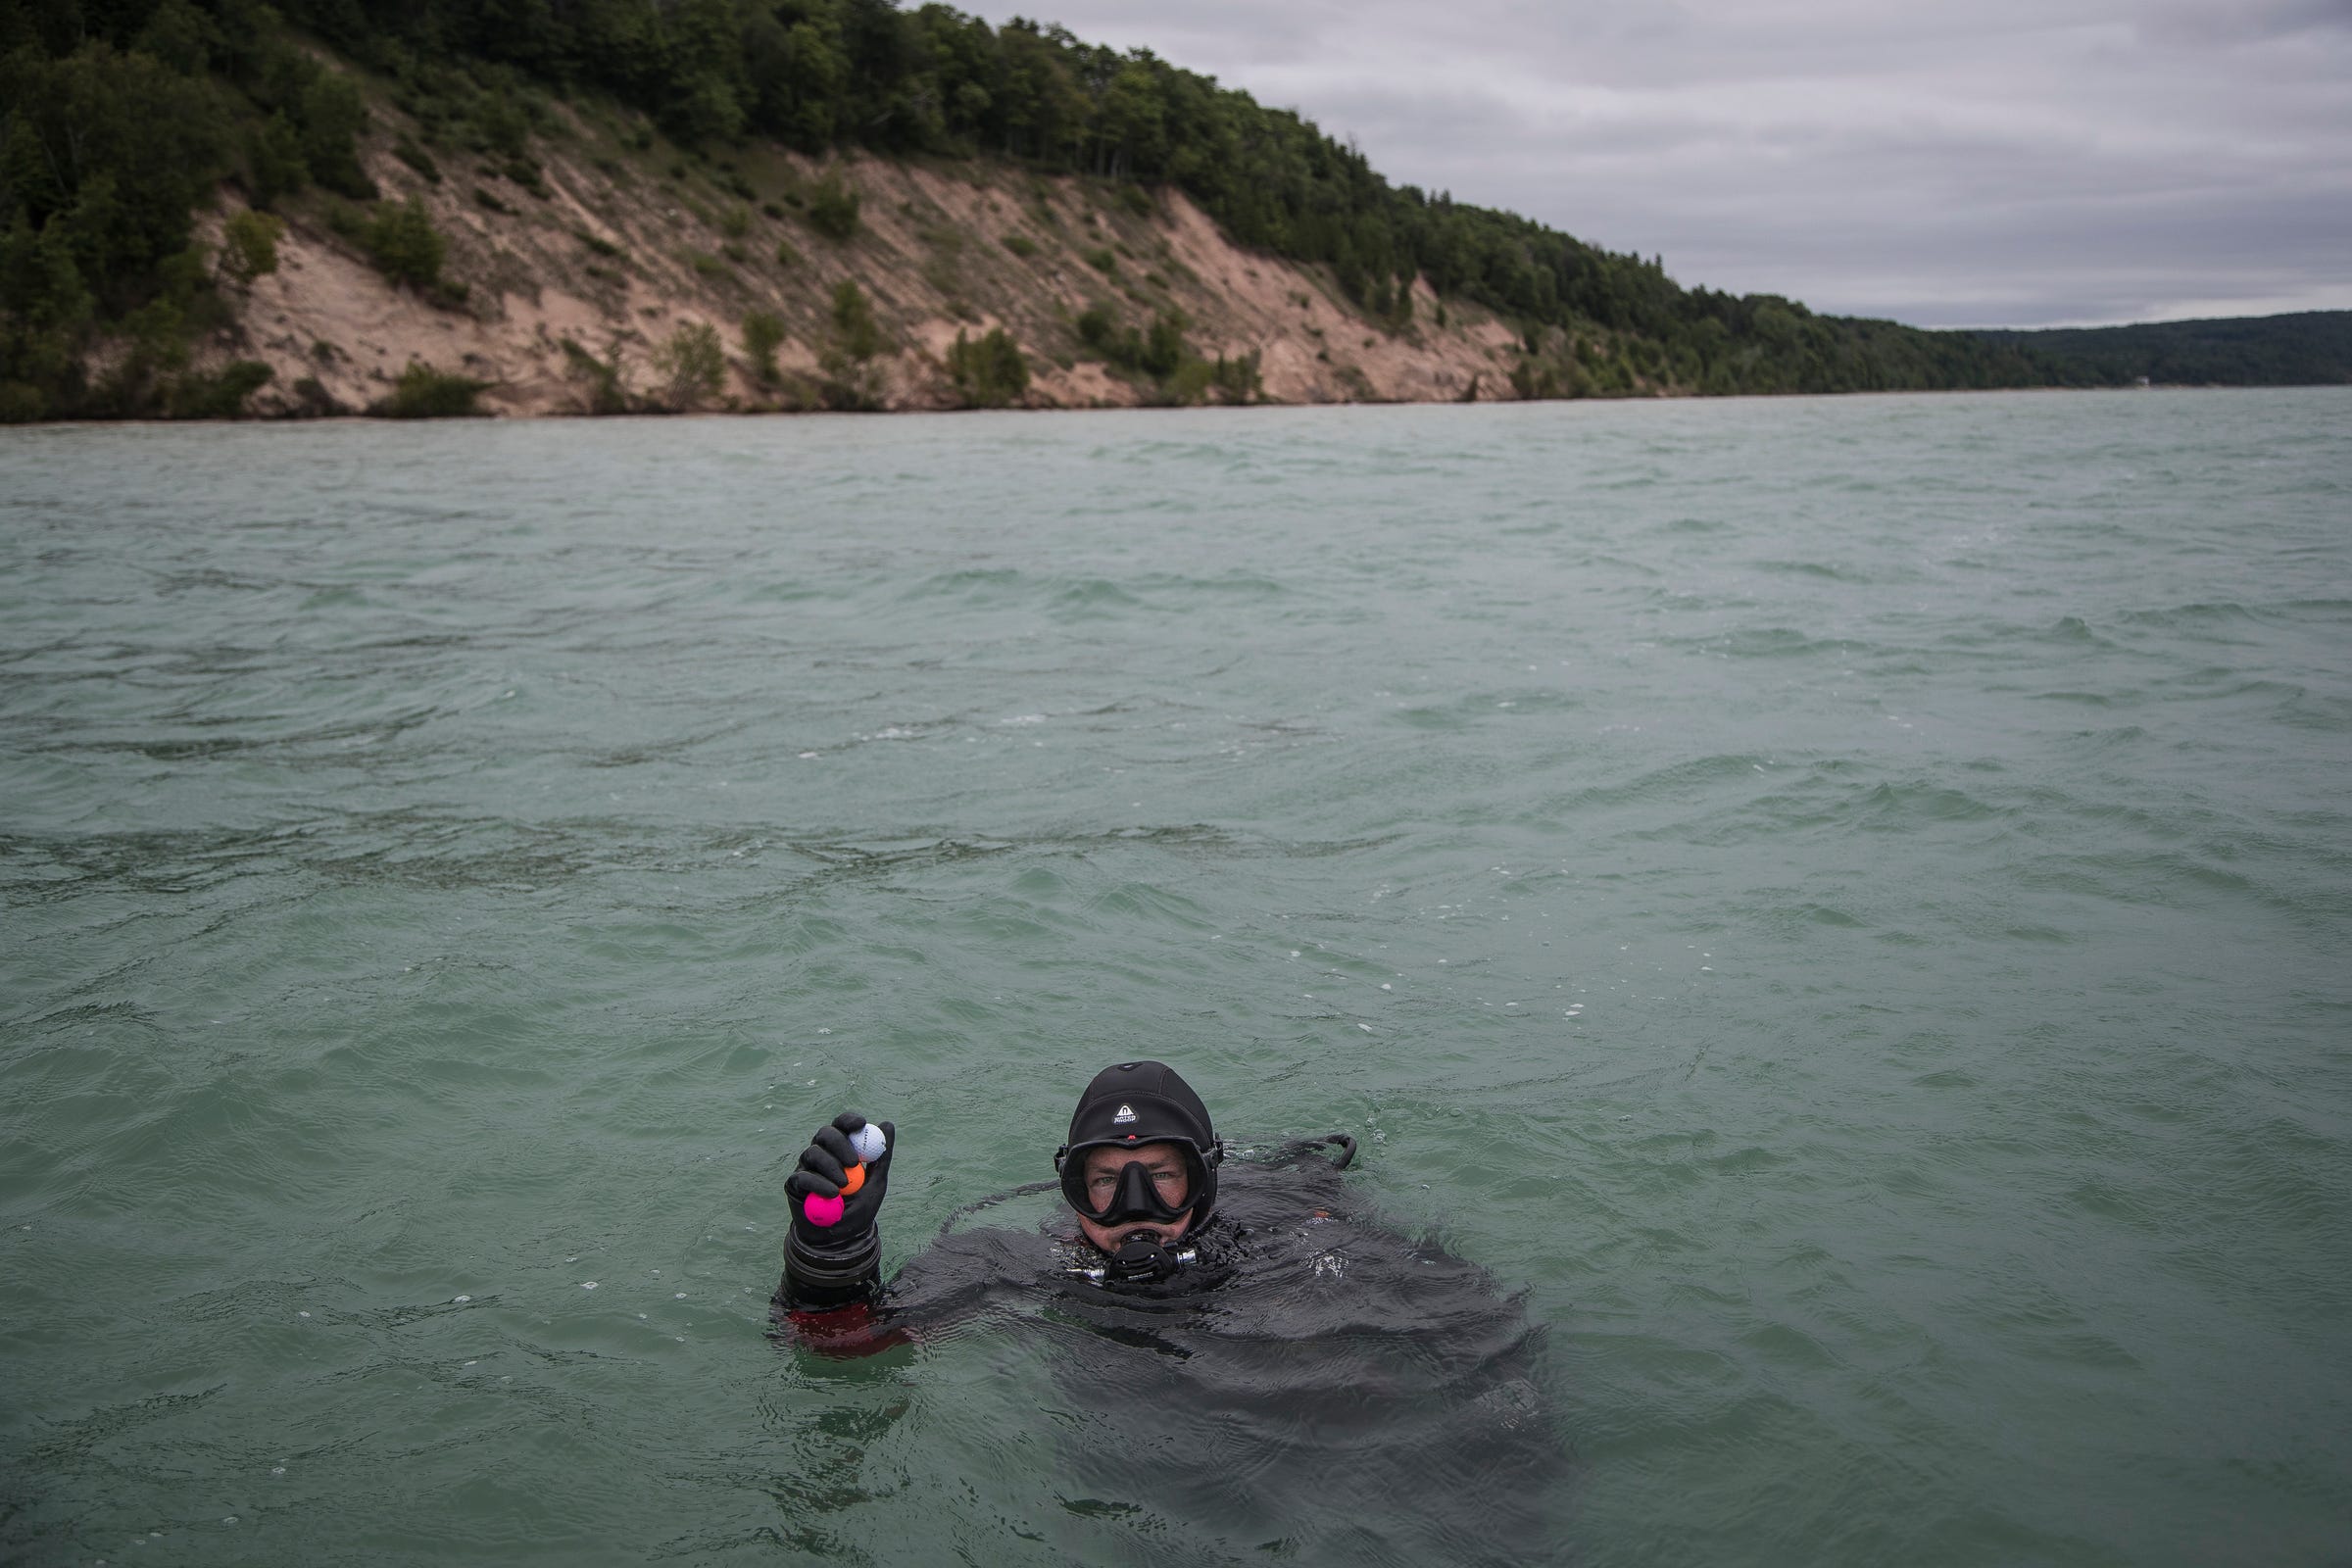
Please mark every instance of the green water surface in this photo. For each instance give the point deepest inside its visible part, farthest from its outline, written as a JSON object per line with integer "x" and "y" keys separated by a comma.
{"x": 1845, "y": 903}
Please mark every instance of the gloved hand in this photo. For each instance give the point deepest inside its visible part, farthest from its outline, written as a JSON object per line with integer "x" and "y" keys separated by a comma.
{"x": 823, "y": 1170}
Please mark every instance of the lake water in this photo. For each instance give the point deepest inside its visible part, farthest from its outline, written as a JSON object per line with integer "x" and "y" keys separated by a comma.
{"x": 1845, "y": 903}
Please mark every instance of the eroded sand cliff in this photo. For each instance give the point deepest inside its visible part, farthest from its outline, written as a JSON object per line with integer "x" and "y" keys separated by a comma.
{"x": 619, "y": 247}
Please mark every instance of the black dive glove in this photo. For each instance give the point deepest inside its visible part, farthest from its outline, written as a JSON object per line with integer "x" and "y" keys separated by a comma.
{"x": 843, "y": 1258}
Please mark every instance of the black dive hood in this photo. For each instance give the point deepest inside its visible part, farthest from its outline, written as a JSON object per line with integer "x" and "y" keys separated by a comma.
{"x": 1128, "y": 1106}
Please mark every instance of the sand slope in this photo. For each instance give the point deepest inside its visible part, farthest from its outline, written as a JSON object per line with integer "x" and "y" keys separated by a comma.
{"x": 620, "y": 248}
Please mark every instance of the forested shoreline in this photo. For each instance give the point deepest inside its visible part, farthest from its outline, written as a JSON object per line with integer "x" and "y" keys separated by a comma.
{"x": 2305, "y": 348}
{"x": 125, "y": 119}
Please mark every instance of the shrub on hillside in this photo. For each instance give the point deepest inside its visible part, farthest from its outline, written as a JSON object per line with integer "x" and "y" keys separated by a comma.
{"x": 1236, "y": 380}
{"x": 22, "y": 403}
{"x": 850, "y": 382}
{"x": 763, "y": 335}
{"x": 402, "y": 242}
{"x": 692, "y": 364}
{"x": 1159, "y": 353}
{"x": 1163, "y": 347}
{"x": 854, "y": 324}
{"x": 1188, "y": 385}
{"x": 248, "y": 246}
{"x": 988, "y": 373}
{"x": 424, "y": 393}
{"x": 833, "y": 207}
{"x": 417, "y": 157}
{"x": 602, "y": 379}
{"x": 220, "y": 395}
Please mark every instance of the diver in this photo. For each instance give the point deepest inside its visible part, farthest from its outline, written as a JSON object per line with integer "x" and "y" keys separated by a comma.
{"x": 1316, "y": 1378}
{"x": 1139, "y": 1171}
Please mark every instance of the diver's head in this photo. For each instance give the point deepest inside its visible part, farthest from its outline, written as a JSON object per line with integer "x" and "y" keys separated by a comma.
{"x": 1141, "y": 1159}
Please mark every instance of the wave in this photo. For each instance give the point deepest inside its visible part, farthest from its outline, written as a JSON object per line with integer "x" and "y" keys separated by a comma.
{"x": 1771, "y": 642}
{"x": 1822, "y": 570}
{"x": 2224, "y": 623}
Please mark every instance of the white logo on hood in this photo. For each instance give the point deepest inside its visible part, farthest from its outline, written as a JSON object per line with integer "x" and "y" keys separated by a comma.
{"x": 1126, "y": 1114}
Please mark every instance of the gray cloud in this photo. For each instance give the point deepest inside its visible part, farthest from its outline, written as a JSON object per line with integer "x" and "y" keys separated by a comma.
{"x": 1998, "y": 161}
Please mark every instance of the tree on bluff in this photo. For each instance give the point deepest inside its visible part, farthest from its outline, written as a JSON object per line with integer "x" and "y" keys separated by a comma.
{"x": 113, "y": 148}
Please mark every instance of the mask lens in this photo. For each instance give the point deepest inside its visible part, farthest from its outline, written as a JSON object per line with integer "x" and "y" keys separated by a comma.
{"x": 1133, "y": 1190}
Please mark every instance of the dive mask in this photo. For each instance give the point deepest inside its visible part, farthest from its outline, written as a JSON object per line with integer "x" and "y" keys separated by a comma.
{"x": 1136, "y": 1196}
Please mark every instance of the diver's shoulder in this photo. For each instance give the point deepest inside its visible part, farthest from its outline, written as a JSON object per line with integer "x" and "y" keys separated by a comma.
{"x": 1276, "y": 1195}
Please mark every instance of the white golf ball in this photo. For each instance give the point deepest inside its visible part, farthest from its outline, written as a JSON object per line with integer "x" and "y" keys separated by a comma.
{"x": 869, "y": 1142}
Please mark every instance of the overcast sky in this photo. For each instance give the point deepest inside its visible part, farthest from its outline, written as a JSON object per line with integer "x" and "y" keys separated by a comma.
{"x": 1946, "y": 163}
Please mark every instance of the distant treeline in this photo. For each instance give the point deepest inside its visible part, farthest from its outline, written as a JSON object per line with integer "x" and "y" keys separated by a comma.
{"x": 2312, "y": 348}
{"x": 117, "y": 117}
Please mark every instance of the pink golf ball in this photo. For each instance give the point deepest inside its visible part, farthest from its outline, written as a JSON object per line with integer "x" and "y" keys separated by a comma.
{"x": 869, "y": 1143}
{"x": 821, "y": 1210}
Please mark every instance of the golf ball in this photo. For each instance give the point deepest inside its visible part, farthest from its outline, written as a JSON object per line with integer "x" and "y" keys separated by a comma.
{"x": 821, "y": 1210}
{"x": 869, "y": 1142}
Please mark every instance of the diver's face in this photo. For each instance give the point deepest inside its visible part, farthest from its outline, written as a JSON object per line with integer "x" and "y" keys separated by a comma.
{"x": 1165, "y": 1168}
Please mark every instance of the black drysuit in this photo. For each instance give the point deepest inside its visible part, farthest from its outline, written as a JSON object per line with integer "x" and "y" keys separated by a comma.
{"x": 1312, "y": 1384}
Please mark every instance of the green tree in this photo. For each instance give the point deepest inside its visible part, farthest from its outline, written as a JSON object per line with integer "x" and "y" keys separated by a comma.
{"x": 850, "y": 381}
{"x": 274, "y": 166}
{"x": 1163, "y": 349}
{"x": 802, "y": 81}
{"x": 763, "y": 335}
{"x": 707, "y": 89}
{"x": 1236, "y": 380}
{"x": 118, "y": 146}
{"x": 1133, "y": 122}
{"x": 248, "y": 246}
{"x": 332, "y": 117}
{"x": 43, "y": 310}
{"x": 990, "y": 372}
{"x": 180, "y": 37}
{"x": 856, "y": 332}
{"x": 524, "y": 32}
{"x": 693, "y": 364}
